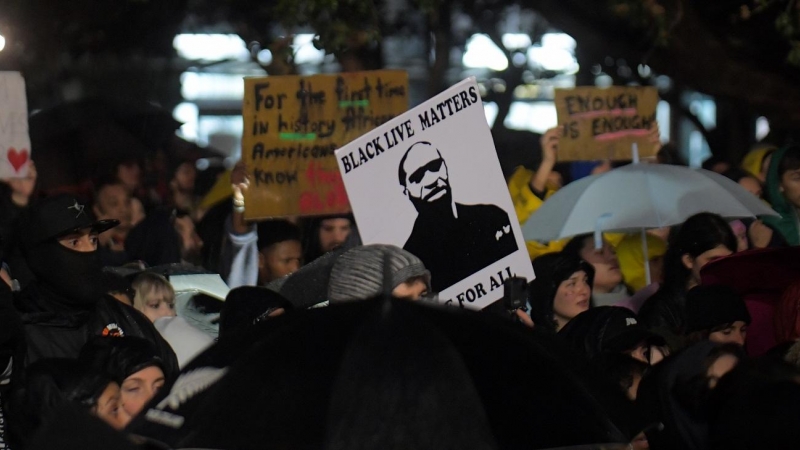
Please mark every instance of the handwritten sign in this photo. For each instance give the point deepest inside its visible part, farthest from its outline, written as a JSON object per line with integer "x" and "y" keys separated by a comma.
{"x": 603, "y": 123}
{"x": 429, "y": 181}
{"x": 293, "y": 125}
{"x": 15, "y": 143}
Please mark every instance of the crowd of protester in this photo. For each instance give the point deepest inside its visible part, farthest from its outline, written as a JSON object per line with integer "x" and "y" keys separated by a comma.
{"x": 108, "y": 299}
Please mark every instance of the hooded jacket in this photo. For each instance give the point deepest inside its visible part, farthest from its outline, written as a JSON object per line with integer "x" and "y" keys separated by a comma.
{"x": 66, "y": 305}
{"x": 53, "y": 330}
{"x": 755, "y": 158}
{"x": 526, "y": 202}
{"x": 787, "y": 223}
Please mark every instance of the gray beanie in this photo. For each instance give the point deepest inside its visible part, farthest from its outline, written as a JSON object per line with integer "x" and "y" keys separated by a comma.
{"x": 358, "y": 273}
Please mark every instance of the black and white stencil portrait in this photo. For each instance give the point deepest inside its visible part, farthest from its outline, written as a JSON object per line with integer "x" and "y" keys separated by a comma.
{"x": 429, "y": 181}
{"x": 454, "y": 240}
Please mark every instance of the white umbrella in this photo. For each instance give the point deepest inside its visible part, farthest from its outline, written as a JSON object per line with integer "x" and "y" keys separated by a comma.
{"x": 637, "y": 197}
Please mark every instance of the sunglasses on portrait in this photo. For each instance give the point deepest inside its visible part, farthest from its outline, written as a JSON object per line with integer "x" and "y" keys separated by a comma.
{"x": 432, "y": 166}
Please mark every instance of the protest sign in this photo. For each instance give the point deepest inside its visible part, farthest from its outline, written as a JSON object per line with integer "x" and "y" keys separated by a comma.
{"x": 293, "y": 125}
{"x": 15, "y": 143}
{"x": 603, "y": 123}
{"x": 430, "y": 181}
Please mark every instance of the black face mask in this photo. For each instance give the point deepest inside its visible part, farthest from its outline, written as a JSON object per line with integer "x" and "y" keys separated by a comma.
{"x": 72, "y": 274}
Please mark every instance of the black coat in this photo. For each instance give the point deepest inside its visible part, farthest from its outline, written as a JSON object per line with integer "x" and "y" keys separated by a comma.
{"x": 54, "y": 330}
{"x": 453, "y": 249}
{"x": 665, "y": 314}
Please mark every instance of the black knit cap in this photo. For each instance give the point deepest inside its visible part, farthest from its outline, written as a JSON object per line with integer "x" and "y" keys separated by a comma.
{"x": 708, "y": 307}
{"x": 58, "y": 216}
{"x": 121, "y": 357}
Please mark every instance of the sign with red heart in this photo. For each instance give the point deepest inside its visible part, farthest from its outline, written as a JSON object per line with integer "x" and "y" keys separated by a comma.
{"x": 17, "y": 158}
{"x": 15, "y": 143}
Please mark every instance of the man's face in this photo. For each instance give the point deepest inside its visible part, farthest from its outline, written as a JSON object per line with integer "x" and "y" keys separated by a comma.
{"x": 280, "y": 259}
{"x": 114, "y": 202}
{"x": 426, "y": 174}
{"x": 333, "y": 233}
{"x": 83, "y": 241}
{"x": 790, "y": 187}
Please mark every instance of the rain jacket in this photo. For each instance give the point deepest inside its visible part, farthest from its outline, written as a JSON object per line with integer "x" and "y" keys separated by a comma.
{"x": 755, "y": 158}
{"x": 631, "y": 258}
{"x": 787, "y": 224}
{"x": 527, "y": 203}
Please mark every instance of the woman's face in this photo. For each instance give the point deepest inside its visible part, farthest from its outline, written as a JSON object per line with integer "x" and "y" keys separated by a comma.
{"x": 695, "y": 264}
{"x": 719, "y": 368}
{"x": 158, "y": 305}
{"x": 138, "y": 389}
{"x": 607, "y": 274}
{"x": 572, "y": 298}
{"x": 735, "y": 333}
{"x": 107, "y": 408}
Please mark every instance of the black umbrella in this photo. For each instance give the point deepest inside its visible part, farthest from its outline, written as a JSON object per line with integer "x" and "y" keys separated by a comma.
{"x": 78, "y": 140}
{"x": 277, "y": 391}
{"x": 145, "y": 121}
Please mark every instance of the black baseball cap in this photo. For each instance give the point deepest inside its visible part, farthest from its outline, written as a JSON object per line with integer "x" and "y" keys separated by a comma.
{"x": 606, "y": 329}
{"x": 58, "y": 216}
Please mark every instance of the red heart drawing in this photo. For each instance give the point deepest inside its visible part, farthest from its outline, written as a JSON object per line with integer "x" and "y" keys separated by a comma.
{"x": 17, "y": 158}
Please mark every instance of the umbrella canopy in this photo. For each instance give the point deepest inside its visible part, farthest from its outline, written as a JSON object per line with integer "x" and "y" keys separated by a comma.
{"x": 143, "y": 120}
{"x": 638, "y": 196}
{"x": 76, "y": 141}
{"x": 281, "y": 390}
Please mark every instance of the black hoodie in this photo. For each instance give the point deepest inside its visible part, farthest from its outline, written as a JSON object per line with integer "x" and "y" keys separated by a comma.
{"x": 66, "y": 305}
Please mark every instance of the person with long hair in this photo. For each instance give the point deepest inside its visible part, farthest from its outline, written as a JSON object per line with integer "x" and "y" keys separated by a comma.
{"x": 562, "y": 290}
{"x": 701, "y": 239}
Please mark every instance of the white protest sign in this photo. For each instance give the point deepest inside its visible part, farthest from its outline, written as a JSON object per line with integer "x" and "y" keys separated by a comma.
{"x": 429, "y": 181}
{"x": 15, "y": 143}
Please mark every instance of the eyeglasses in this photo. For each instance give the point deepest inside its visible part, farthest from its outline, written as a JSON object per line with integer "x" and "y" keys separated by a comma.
{"x": 432, "y": 166}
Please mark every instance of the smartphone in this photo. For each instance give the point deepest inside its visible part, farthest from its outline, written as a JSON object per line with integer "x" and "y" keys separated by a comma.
{"x": 515, "y": 294}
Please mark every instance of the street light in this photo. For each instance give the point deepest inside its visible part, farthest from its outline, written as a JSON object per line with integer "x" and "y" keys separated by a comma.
{"x": 2, "y": 42}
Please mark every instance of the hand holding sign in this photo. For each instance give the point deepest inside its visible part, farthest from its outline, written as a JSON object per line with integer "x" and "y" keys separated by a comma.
{"x": 549, "y": 143}
{"x": 22, "y": 188}
{"x": 603, "y": 123}
{"x": 429, "y": 181}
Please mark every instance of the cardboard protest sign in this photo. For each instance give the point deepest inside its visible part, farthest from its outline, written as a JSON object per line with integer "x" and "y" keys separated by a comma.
{"x": 15, "y": 143}
{"x": 603, "y": 123}
{"x": 293, "y": 125}
{"x": 429, "y": 181}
